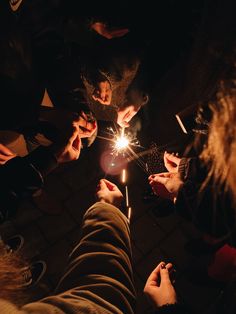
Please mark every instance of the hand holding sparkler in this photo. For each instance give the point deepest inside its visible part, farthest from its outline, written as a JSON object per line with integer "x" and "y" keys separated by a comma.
{"x": 108, "y": 192}
{"x": 159, "y": 288}
{"x": 171, "y": 162}
{"x": 166, "y": 184}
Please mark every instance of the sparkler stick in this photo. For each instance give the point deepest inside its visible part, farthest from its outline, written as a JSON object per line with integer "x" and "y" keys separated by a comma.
{"x": 126, "y": 197}
{"x": 123, "y": 176}
{"x": 128, "y": 208}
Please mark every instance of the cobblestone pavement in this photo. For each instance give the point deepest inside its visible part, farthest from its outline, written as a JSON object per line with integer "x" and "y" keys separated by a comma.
{"x": 50, "y": 224}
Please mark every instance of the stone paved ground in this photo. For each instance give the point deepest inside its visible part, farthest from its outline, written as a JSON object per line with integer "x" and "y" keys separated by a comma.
{"x": 50, "y": 224}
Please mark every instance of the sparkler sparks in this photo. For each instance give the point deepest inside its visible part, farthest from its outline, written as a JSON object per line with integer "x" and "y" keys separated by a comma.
{"x": 121, "y": 143}
{"x": 123, "y": 150}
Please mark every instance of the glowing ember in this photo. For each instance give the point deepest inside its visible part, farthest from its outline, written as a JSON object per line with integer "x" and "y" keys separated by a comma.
{"x": 121, "y": 143}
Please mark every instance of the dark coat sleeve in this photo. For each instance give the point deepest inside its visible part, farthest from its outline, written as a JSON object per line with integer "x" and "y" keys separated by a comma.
{"x": 176, "y": 308}
{"x": 21, "y": 177}
{"x": 202, "y": 202}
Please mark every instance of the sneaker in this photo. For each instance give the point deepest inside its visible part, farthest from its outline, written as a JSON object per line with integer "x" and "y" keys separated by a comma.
{"x": 14, "y": 244}
{"x": 33, "y": 273}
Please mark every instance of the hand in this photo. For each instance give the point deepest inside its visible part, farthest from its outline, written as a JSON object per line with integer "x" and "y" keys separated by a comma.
{"x": 124, "y": 115}
{"x": 164, "y": 293}
{"x": 109, "y": 33}
{"x": 171, "y": 162}
{"x": 69, "y": 148}
{"x": 108, "y": 192}
{"x": 86, "y": 126}
{"x": 5, "y": 154}
{"x": 166, "y": 184}
{"x": 103, "y": 93}
{"x": 63, "y": 119}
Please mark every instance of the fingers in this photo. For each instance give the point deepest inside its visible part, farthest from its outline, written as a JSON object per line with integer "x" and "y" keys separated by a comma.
{"x": 5, "y": 151}
{"x": 5, "y": 154}
{"x": 153, "y": 277}
{"x": 103, "y": 101}
{"x": 123, "y": 124}
{"x": 160, "y": 178}
{"x": 119, "y": 32}
{"x": 103, "y": 93}
{"x": 165, "y": 276}
{"x": 171, "y": 162}
{"x": 111, "y": 186}
{"x": 103, "y": 30}
{"x": 75, "y": 143}
{"x": 86, "y": 127}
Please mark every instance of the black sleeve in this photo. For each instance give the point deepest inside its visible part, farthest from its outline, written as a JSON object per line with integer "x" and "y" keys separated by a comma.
{"x": 21, "y": 177}
{"x": 203, "y": 203}
{"x": 176, "y": 308}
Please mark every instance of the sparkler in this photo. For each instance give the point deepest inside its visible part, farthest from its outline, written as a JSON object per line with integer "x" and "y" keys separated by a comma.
{"x": 123, "y": 145}
{"x": 128, "y": 208}
{"x": 122, "y": 152}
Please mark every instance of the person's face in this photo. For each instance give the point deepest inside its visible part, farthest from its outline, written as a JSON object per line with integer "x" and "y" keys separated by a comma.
{"x": 124, "y": 115}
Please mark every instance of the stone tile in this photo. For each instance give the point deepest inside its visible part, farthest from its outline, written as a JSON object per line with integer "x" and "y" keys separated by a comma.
{"x": 74, "y": 236}
{"x": 149, "y": 262}
{"x": 56, "y": 257}
{"x": 7, "y": 229}
{"x": 189, "y": 230}
{"x": 173, "y": 246}
{"x": 54, "y": 227}
{"x": 47, "y": 203}
{"x": 136, "y": 254}
{"x": 198, "y": 297}
{"x": 26, "y": 214}
{"x": 142, "y": 305}
{"x": 34, "y": 241}
{"x": 41, "y": 290}
{"x": 56, "y": 188}
{"x": 82, "y": 173}
{"x": 80, "y": 201}
{"x": 139, "y": 207}
{"x": 146, "y": 234}
{"x": 165, "y": 216}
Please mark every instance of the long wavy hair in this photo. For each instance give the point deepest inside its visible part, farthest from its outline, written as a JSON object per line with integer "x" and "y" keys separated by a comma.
{"x": 220, "y": 150}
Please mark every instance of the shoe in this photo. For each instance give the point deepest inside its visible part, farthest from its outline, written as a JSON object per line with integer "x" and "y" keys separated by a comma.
{"x": 14, "y": 244}
{"x": 33, "y": 273}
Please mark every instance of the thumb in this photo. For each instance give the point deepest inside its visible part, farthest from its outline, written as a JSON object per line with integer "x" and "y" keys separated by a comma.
{"x": 75, "y": 139}
{"x": 172, "y": 158}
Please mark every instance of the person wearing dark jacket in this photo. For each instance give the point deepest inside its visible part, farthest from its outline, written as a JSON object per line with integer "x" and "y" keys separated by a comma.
{"x": 99, "y": 277}
{"x": 22, "y": 176}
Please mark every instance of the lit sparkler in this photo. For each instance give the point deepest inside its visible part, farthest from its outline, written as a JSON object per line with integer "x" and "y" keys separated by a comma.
{"x": 123, "y": 144}
{"x": 127, "y": 206}
{"x": 122, "y": 141}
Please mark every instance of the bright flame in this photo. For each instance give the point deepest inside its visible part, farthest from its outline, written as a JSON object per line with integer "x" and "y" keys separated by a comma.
{"x": 121, "y": 143}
